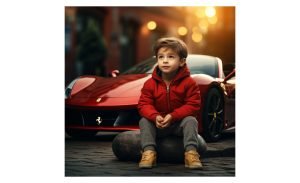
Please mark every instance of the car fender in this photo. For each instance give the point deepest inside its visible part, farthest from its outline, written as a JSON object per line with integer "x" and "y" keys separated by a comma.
{"x": 82, "y": 83}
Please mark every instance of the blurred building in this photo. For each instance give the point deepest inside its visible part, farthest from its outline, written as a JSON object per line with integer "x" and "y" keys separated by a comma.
{"x": 128, "y": 33}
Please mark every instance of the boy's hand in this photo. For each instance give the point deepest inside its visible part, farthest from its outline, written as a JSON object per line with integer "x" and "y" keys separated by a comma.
{"x": 159, "y": 120}
{"x": 166, "y": 121}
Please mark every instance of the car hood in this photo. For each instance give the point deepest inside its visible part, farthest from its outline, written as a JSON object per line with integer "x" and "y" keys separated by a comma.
{"x": 121, "y": 90}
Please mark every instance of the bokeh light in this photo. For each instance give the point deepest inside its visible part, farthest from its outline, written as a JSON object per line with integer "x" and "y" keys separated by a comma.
{"x": 197, "y": 37}
{"x": 200, "y": 13}
{"x": 182, "y": 31}
{"x": 210, "y": 11}
{"x": 151, "y": 25}
{"x": 203, "y": 24}
{"x": 213, "y": 20}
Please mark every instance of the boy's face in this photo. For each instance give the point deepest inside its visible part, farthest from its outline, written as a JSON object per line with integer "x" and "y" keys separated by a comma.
{"x": 169, "y": 61}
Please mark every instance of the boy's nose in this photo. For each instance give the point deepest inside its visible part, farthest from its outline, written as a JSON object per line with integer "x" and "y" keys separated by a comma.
{"x": 165, "y": 60}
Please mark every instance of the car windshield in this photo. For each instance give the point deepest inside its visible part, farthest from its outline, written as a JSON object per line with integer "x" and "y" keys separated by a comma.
{"x": 196, "y": 64}
{"x": 146, "y": 66}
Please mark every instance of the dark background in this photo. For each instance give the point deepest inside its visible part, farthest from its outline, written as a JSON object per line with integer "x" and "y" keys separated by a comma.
{"x": 101, "y": 39}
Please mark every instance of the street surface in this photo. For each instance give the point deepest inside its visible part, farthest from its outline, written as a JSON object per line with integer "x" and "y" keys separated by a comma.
{"x": 94, "y": 157}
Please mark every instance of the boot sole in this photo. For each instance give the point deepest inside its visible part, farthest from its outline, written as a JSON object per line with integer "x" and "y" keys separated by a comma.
{"x": 147, "y": 166}
{"x": 194, "y": 167}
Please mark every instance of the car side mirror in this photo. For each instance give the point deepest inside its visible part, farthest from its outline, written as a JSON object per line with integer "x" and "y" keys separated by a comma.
{"x": 230, "y": 75}
{"x": 115, "y": 73}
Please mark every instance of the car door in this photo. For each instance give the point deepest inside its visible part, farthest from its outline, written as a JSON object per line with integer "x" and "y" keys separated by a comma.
{"x": 229, "y": 83}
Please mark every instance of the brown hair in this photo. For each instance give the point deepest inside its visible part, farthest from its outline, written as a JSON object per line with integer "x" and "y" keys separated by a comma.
{"x": 171, "y": 42}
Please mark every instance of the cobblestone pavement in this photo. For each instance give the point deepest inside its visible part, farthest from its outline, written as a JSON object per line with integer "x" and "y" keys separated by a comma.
{"x": 94, "y": 157}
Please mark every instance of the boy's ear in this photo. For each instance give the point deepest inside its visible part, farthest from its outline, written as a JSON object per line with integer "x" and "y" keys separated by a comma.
{"x": 182, "y": 62}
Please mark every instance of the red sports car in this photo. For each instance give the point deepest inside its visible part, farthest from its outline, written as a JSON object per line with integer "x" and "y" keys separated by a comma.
{"x": 95, "y": 103}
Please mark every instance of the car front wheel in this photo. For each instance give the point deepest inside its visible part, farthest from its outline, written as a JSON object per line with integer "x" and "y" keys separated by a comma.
{"x": 213, "y": 116}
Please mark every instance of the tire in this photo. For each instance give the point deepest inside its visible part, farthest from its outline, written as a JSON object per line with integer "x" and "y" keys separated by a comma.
{"x": 213, "y": 116}
{"x": 126, "y": 146}
{"x": 78, "y": 134}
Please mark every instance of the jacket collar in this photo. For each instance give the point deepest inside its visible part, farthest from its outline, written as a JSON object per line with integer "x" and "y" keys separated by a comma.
{"x": 181, "y": 73}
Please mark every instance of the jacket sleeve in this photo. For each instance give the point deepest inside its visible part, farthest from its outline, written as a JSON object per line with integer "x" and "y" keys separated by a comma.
{"x": 146, "y": 103}
{"x": 191, "y": 102}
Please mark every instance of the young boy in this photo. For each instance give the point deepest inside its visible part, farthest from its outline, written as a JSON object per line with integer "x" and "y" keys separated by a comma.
{"x": 169, "y": 103}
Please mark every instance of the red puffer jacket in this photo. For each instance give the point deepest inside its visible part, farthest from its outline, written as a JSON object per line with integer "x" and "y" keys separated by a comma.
{"x": 181, "y": 99}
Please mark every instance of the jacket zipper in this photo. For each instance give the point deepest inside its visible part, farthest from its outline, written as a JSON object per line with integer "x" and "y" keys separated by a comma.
{"x": 168, "y": 98}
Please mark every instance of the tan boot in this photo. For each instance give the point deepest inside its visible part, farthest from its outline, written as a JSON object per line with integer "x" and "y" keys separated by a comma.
{"x": 148, "y": 159}
{"x": 192, "y": 160}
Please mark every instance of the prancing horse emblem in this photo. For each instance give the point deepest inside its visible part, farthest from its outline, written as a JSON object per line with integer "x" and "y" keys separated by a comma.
{"x": 99, "y": 120}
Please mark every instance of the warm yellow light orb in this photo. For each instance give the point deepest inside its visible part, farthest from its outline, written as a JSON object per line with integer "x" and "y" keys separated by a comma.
{"x": 182, "y": 31}
{"x": 204, "y": 30}
{"x": 197, "y": 37}
{"x": 210, "y": 11}
{"x": 151, "y": 25}
{"x": 213, "y": 20}
{"x": 203, "y": 24}
{"x": 200, "y": 13}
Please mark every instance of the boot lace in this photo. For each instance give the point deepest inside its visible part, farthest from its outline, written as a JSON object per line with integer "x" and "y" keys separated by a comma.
{"x": 194, "y": 157}
{"x": 145, "y": 157}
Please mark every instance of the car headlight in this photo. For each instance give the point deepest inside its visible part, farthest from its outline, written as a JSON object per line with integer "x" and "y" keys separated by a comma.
{"x": 69, "y": 89}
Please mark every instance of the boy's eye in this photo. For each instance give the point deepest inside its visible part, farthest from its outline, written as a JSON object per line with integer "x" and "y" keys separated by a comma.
{"x": 168, "y": 57}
